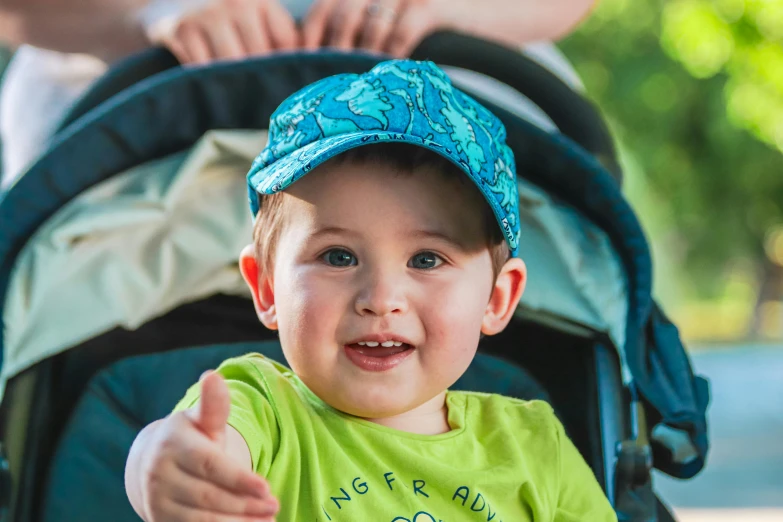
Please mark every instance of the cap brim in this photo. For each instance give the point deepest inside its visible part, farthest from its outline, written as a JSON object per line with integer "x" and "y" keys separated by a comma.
{"x": 288, "y": 169}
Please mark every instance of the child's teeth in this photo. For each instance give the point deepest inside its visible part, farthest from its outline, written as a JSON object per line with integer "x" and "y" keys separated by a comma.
{"x": 385, "y": 344}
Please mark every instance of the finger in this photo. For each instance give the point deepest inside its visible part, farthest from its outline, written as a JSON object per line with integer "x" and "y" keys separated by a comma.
{"x": 315, "y": 23}
{"x": 212, "y": 465}
{"x": 192, "y": 492}
{"x": 252, "y": 30}
{"x": 214, "y": 407}
{"x": 194, "y": 43}
{"x": 344, "y": 24}
{"x": 178, "y": 50}
{"x": 176, "y": 511}
{"x": 281, "y": 27}
{"x": 411, "y": 28}
{"x": 379, "y": 23}
{"x": 204, "y": 374}
{"x": 224, "y": 40}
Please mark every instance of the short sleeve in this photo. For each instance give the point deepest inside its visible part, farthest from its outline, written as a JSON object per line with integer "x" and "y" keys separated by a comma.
{"x": 253, "y": 410}
{"x": 580, "y": 497}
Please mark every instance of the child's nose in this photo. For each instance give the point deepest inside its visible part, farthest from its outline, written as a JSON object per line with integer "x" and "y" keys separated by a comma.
{"x": 381, "y": 295}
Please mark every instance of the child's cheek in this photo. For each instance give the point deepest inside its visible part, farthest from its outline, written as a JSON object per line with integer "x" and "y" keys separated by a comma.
{"x": 453, "y": 312}
{"x": 310, "y": 313}
{"x": 315, "y": 303}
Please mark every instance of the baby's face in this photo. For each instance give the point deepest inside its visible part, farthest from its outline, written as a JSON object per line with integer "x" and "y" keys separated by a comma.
{"x": 381, "y": 282}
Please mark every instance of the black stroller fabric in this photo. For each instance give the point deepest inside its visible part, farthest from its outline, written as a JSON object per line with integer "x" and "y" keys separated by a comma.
{"x": 688, "y": 394}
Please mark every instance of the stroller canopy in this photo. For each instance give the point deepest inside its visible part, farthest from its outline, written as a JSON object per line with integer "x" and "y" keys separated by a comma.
{"x": 563, "y": 184}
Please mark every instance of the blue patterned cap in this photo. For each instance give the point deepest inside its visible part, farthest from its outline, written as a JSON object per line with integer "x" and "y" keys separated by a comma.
{"x": 400, "y": 101}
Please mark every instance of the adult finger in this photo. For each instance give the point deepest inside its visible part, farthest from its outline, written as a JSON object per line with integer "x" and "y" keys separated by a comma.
{"x": 344, "y": 24}
{"x": 223, "y": 38}
{"x": 211, "y": 464}
{"x": 192, "y": 492}
{"x": 194, "y": 42}
{"x": 281, "y": 27}
{"x": 411, "y": 28}
{"x": 252, "y": 29}
{"x": 380, "y": 20}
{"x": 315, "y": 23}
{"x": 177, "y": 49}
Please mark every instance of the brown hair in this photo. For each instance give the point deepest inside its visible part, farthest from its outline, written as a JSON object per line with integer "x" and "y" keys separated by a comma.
{"x": 402, "y": 157}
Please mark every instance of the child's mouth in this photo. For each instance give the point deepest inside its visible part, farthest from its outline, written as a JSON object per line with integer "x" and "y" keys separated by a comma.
{"x": 377, "y": 358}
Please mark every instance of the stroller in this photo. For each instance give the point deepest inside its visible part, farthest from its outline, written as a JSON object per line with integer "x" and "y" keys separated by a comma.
{"x": 118, "y": 279}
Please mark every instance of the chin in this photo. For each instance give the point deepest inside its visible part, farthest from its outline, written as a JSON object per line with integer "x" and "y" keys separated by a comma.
{"x": 377, "y": 405}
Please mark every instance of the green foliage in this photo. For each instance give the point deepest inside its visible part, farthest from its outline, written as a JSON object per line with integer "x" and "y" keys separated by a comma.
{"x": 694, "y": 91}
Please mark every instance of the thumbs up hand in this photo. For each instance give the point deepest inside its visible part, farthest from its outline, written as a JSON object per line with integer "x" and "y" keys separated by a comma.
{"x": 192, "y": 466}
{"x": 211, "y": 413}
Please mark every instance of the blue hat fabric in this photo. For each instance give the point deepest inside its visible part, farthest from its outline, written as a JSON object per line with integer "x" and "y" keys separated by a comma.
{"x": 400, "y": 101}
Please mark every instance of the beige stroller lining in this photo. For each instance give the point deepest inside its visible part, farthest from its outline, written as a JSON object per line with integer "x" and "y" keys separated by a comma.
{"x": 132, "y": 248}
{"x": 168, "y": 232}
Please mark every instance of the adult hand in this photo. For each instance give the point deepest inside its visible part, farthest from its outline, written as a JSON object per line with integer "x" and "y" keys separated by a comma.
{"x": 186, "y": 473}
{"x": 202, "y": 31}
{"x": 393, "y": 27}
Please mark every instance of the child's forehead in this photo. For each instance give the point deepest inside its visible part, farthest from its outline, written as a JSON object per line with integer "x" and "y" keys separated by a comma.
{"x": 355, "y": 195}
{"x": 359, "y": 179}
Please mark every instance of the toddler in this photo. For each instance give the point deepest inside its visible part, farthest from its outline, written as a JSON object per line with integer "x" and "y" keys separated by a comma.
{"x": 386, "y": 244}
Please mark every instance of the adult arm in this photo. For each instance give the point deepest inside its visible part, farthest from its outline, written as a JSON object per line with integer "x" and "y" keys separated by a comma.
{"x": 398, "y": 26}
{"x": 108, "y": 29}
{"x": 196, "y": 31}
{"x": 517, "y": 22}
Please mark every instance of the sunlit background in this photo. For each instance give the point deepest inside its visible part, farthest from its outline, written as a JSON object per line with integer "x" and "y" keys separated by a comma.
{"x": 693, "y": 91}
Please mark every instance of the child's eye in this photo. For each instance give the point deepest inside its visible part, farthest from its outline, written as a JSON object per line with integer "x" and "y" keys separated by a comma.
{"x": 425, "y": 260}
{"x": 339, "y": 257}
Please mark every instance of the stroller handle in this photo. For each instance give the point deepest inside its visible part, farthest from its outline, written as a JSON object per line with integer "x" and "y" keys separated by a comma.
{"x": 575, "y": 116}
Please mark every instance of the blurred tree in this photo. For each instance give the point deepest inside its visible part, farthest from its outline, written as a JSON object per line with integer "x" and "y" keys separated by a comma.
{"x": 694, "y": 90}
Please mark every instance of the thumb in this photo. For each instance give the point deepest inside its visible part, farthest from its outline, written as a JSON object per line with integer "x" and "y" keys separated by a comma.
{"x": 214, "y": 406}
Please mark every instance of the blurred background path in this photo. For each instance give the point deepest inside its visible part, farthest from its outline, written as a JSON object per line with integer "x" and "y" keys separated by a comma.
{"x": 743, "y": 479}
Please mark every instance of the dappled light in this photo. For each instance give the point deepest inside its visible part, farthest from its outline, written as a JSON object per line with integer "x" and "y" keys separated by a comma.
{"x": 695, "y": 34}
{"x": 694, "y": 92}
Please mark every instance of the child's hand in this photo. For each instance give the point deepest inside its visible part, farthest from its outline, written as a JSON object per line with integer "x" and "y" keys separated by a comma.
{"x": 186, "y": 469}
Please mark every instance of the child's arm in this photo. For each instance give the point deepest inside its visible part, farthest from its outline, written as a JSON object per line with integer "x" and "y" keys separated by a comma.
{"x": 192, "y": 464}
{"x": 580, "y": 497}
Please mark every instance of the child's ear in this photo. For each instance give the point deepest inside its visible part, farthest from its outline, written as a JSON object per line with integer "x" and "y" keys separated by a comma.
{"x": 260, "y": 286}
{"x": 509, "y": 285}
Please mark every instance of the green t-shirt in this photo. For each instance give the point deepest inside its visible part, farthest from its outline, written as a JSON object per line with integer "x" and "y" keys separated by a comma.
{"x": 503, "y": 460}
